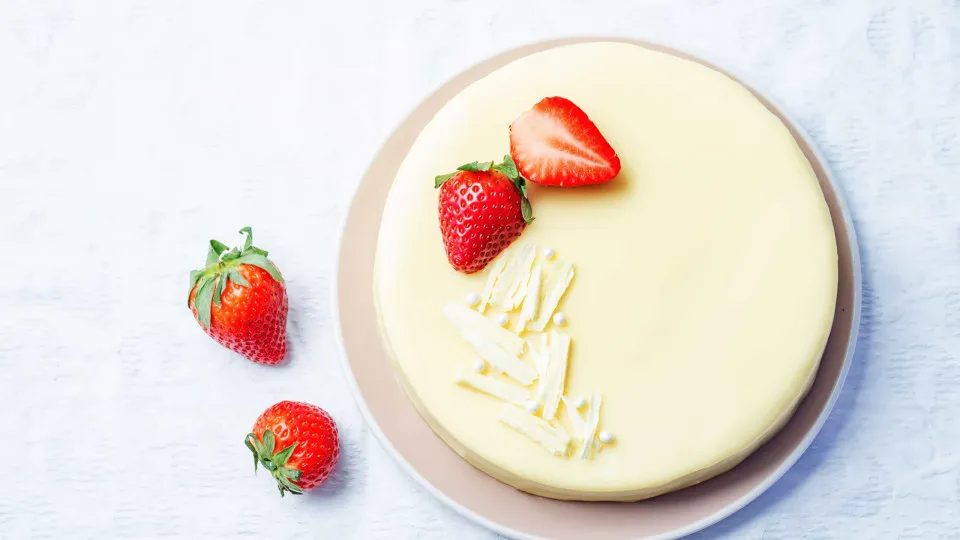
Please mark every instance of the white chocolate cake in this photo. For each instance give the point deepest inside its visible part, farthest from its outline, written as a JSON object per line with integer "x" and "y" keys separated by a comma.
{"x": 641, "y": 335}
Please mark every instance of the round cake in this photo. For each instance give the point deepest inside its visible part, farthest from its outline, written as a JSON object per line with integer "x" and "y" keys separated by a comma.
{"x": 641, "y": 335}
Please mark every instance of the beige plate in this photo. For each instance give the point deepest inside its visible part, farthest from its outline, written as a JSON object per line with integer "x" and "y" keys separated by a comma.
{"x": 407, "y": 437}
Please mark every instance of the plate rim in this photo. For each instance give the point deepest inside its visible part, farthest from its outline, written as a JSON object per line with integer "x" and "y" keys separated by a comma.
{"x": 808, "y": 437}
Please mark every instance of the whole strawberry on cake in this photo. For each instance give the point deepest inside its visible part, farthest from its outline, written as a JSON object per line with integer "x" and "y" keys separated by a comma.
{"x": 659, "y": 319}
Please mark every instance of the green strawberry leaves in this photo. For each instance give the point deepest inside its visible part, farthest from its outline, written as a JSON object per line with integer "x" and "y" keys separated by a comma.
{"x": 275, "y": 462}
{"x": 281, "y": 457}
{"x": 212, "y": 254}
{"x": 223, "y": 265}
{"x": 473, "y": 166}
{"x": 508, "y": 168}
{"x": 221, "y": 283}
{"x": 218, "y": 246}
{"x": 259, "y": 260}
{"x": 234, "y": 276}
{"x": 476, "y": 166}
{"x": 526, "y": 210}
{"x": 248, "y": 242}
{"x": 195, "y": 276}
{"x": 202, "y": 300}
{"x": 269, "y": 441}
{"x": 439, "y": 180}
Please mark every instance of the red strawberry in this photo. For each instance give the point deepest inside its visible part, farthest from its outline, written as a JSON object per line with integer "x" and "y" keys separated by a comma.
{"x": 240, "y": 301}
{"x": 297, "y": 442}
{"x": 483, "y": 208}
{"x": 556, "y": 144}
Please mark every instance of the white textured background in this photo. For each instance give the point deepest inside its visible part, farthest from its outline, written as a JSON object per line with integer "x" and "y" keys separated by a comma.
{"x": 133, "y": 131}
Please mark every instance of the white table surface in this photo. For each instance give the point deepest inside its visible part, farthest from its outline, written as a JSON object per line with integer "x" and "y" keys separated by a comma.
{"x": 131, "y": 132}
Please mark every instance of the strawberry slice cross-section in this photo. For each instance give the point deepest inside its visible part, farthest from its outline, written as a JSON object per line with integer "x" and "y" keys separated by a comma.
{"x": 556, "y": 144}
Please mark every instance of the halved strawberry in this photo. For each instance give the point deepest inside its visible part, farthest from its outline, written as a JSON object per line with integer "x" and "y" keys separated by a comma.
{"x": 556, "y": 144}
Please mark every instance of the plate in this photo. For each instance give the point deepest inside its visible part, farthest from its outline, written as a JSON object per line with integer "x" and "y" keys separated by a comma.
{"x": 408, "y": 438}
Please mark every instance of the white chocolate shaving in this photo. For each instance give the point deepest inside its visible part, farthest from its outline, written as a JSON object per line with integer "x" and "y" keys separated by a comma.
{"x": 540, "y": 358}
{"x": 556, "y": 284}
{"x": 511, "y": 287}
{"x": 531, "y": 302}
{"x": 573, "y": 416}
{"x": 518, "y": 281}
{"x": 507, "y": 363}
{"x": 593, "y": 420}
{"x": 556, "y": 374}
{"x": 495, "y": 270}
{"x": 554, "y": 439}
{"x": 477, "y": 329}
{"x": 492, "y": 386}
{"x": 498, "y": 346}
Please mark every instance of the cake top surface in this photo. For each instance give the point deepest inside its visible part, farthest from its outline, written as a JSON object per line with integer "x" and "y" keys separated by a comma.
{"x": 705, "y": 271}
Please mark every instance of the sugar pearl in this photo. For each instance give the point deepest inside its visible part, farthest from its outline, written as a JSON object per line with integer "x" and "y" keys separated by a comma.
{"x": 606, "y": 437}
{"x": 532, "y": 406}
{"x": 502, "y": 319}
{"x": 548, "y": 253}
{"x": 472, "y": 298}
{"x": 479, "y": 366}
{"x": 559, "y": 318}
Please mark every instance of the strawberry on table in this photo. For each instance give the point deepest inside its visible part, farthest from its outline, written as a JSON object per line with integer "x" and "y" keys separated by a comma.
{"x": 556, "y": 144}
{"x": 297, "y": 442}
{"x": 240, "y": 300}
{"x": 483, "y": 208}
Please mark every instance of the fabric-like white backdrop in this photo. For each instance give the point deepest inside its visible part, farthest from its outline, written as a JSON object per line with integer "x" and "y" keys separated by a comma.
{"x": 131, "y": 132}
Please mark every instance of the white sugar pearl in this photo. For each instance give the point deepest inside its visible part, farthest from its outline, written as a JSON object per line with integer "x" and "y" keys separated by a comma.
{"x": 479, "y": 365}
{"x": 502, "y": 319}
{"x": 559, "y": 318}
{"x": 472, "y": 298}
{"x": 606, "y": 437}
{"x": 580, "y": 402}
{"x": 549, "y": 253}
{"x": 532, "y": 406}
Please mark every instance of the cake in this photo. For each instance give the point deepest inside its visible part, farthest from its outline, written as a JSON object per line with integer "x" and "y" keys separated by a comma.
{"x": 639, "y": 335}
